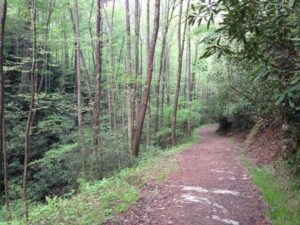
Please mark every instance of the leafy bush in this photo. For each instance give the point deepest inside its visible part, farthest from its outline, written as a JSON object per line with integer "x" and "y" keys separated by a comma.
{"x": 97, "y": 201}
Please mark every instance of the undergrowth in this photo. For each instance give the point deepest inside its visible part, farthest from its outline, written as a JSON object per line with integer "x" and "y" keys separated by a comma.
{"x": 98, "y": 201}
{"x": 279, "y": 192}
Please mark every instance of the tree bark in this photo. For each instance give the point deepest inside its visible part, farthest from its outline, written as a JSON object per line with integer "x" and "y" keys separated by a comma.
{"x": 111, "y": 79}
{"x": 30, "y": 115}
{"x": 96, "y": 122}
{"x": 128, "y": 74}
{"x": 25, "y": 83}
{"x": 78, "y": 82}
{"x": 137, "y": 88}
{"x": 82, "y": 60}
{"x": 145, "y": 99}
{"x": 168, "y": 102}
{"x": 91, "y": 33}
{"x": 2, "y": 129}
{"x": 148, "y": 111}
{"x": 46, "y": 54}
{"x": 189, "y": 81}
{"x": 169, "y": 15}
{"x": 180, "y": 54}
{"x": 194, "y": 71}
{"x": 164, "y": 87}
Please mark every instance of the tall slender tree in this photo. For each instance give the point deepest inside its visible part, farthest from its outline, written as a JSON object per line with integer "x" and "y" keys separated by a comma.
{"x": 78, "y": 82}
{"x": 83, "y": 65}
{"x": 148, "y": 111}
{"x": 147, "y": 87}
{"x": 30, "y": 116}
{"x": 189, "y": 79}
{"x": 137, "y": 57}
{"x": 43, "y": 77}
{"x": 181, "y": 42}
{"x": 169, "y": 11}
{"x": 26, "y": 64}
{"x": 3, "y": 157}
{"x": 128, "y": 74}
{"x": 96, "y": 122}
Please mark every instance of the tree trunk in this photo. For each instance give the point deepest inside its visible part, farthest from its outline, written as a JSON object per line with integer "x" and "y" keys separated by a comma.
{"x": 96, "y": 122}
{"x": 145, "y": 99}
{"x": 193, "y": 85}
{"x": 111, "y": 80}
{"x": 168, "y": 102}
{"x": 148, "y": 111}
{"x": 128, "y": 74}
{"x": 164, "y": 88}
{"x": 30, "y": 116}
{"x": 46, "y": 54}
{"x": 2, "y": 130}
{"x": 91, "y": 33}
{"x": 137, "y": 88}
{"x": 180, "y": 54}
{"x": 148, "y": 135}
{"x": 82, "y": 61}
{"x": 189, "y": 81}
{"x": 25, "y": 83}
{"x": 78, "y": 82}
{"x": 169, "y": 17}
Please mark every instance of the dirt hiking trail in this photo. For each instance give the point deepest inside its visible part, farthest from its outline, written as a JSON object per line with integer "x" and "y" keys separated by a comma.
{"x": 210, "y": 187}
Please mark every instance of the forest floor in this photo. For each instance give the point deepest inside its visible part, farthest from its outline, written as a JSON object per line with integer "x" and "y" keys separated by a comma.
{"x": 210, "y": 187}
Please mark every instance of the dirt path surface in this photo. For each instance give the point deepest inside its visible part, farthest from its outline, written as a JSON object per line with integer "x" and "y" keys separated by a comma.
{"x": 211, "y": 187}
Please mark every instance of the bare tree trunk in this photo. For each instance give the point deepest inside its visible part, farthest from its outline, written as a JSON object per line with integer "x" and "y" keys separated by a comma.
{"x": 145, "y": 99}
{"x": 194, "y": 73}
{"x": 137, "y": 58}
{"x": 164, "y": 88}
{"x": 180, "y": 54}
{"x": 82, "y": 61}
{"x": 169, "y": 15}
{"x": 2, "y": 129}
{"x": 91, "y": 33}
{"x": 30, "y": 115}
{"x": 189, "y": 81}
{"x": 46, "y": 56}
{"x": 96, "y": 122}
{"x": 109, "y": 83}
{"x": 128, "y": 74}
{"x": 25, "y": 83}
{"x": 113, "y": 71}
{"x": 168, "y": 102}
{"x": 78, "y": 81}
{"x": 148, "y": 111}
{"x": 109, "y": 87}
{"x": 86, "y": 76}
{"x": 65, "y": 58}
{"x": 148, "y": 134}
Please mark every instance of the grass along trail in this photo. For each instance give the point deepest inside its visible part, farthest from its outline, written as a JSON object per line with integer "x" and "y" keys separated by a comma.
{"x": 210, "y": 187}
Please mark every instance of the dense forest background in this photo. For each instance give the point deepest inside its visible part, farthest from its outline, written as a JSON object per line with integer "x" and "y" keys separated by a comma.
{"x": 88, "y": 86}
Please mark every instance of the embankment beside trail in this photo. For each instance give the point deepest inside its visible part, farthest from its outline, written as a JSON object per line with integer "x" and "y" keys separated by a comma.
{"x": 270, "y": 150}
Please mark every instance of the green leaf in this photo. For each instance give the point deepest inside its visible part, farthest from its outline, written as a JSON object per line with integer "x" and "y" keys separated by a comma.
{"x": 280, "y": 99}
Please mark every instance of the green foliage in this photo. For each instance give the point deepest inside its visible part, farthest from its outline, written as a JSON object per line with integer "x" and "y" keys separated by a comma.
{"x": 97, "y": 201}
{"x": 56, "y": 155}
{"x": 262, "y": 35}
{"x": 277, "y": 191}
